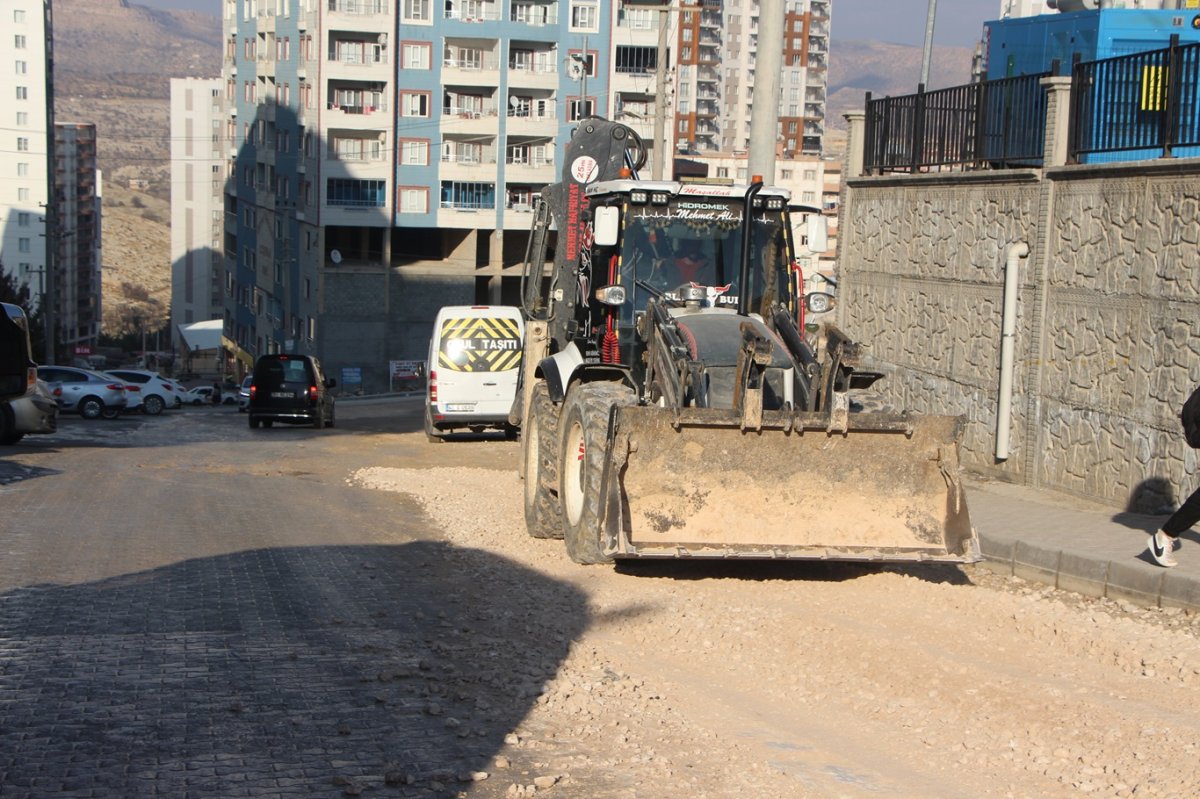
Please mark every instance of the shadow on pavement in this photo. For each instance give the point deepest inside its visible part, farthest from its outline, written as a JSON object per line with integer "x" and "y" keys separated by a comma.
{"x": 796, "y": 570}
{"x": 318, "y": 671}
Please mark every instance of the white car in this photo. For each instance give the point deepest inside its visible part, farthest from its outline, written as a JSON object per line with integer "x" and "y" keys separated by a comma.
{"x": 244, "y": 394}
{"x": 147, "y": 391}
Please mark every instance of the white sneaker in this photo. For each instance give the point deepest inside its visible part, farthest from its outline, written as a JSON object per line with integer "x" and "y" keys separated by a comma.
{"x": 1161, "y": 546}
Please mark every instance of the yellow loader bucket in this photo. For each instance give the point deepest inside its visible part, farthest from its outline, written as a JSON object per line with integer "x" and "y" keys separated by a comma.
{"x": 693, "y": 483}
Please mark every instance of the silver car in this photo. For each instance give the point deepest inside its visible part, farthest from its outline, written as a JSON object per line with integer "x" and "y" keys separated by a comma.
{"x": 90, "y": 394}
{"x": 36, "y": 412}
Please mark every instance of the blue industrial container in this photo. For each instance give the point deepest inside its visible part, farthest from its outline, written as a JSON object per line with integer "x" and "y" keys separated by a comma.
{"x": 1029, "y": 45}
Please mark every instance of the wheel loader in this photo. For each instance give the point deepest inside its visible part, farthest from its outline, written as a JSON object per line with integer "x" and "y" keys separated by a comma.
{"x": 673, "y": 403}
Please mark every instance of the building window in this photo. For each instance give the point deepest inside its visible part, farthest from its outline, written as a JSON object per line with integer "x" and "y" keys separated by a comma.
{"x": 578, "y": 109}
{"x": 722, "y": 171}
{"x": 416, "y": 55}
{"x": 22, "y": 144}
{"x": 24, "y": 245}
{"x": 23, "y": 219}
{"x": 312, "y": 329}
{"x": 414, "y": 152}
{"x": 23, "y": 119}
{"x": 19, "y": 41}
{"x": 414, "y": 200}
{"x": 22, "y": 67}
{"x": 18, "y": 15}
{"x": 414, "y": 104}
{"x": 785, "y": 174}
{"x": 22, "y": 93}
{"x": 417, "y": 11}
{"x": 351, "y": 193}
{"x": 584, "y": 15}
{"x": 22, "y": 170}
{"x": 23, "y": 195}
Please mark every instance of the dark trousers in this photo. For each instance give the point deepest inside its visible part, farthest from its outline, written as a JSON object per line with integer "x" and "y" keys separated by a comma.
{"x": 1187, "y": 515}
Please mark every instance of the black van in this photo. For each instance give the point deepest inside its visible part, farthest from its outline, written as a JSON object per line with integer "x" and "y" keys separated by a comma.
{"x": 292, "y": 389}
{"x": 17, "y": 374}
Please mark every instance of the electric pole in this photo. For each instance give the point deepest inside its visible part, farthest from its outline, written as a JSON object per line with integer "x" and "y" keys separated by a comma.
{"x": 927, "y": 56}
{"x": 660, "y": 94}
{"x": 768, "y": 69}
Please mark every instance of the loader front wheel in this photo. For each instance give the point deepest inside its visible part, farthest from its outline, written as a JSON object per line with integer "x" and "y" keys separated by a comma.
{"x": 583, "y": 450}
{"x": 542, "y": 516}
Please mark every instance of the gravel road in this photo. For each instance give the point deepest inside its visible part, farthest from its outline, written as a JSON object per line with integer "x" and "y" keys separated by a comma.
{"x": 764, "y": 679}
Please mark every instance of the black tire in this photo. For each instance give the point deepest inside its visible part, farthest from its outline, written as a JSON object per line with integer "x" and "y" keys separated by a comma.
{"x": 432, "y": 433}
{"x": 153, "y": 405}
{"x": 332, "y": 412}
{"x": 90, "y": 407}
{"x": 8, "y": 421}
{"x": 268, "y": 423}
{"x": 543, "y": 516}
{"x": 253, "y": 423}
{"x": 583, "y": 433}
{"x": 111, "y": 413}
{"x": 11, "y": 438}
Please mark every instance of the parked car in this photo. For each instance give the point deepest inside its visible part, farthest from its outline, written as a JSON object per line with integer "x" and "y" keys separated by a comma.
{"x": 291, "y": 389}
{"x": 198, "y": 395}
{"x": 90, "y": 394}
{"x": 147, "y": 391}
{"x": 244, "y": 393}
{"x": 36, "y": 412}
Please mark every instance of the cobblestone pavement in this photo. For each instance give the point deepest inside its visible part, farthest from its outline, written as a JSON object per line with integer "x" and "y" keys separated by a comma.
{"x": 189, "y": 608}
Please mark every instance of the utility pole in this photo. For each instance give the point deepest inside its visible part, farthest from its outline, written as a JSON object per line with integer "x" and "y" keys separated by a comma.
{"x": 927, "y": 56}
{"x": 660, "y": 94}
{"x": 768, "y": 68}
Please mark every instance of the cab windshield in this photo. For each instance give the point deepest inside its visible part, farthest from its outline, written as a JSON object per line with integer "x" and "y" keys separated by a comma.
{"x": 698, "y": 240}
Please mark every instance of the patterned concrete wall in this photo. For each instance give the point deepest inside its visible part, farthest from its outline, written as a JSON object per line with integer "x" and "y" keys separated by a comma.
{"x": 1108, "y": 321}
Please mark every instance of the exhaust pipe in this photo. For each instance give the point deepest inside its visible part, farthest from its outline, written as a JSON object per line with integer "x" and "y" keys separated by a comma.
{"x": 756, "y": 186}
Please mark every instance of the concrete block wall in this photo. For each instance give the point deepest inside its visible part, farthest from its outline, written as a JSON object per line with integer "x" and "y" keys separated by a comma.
{"x": 371, "y": 317}
{"x": 1108, "y": 320}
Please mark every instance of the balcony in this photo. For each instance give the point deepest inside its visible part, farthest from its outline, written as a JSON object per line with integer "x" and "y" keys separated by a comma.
{"x": 470, "y": 67}
{"x": 374, "y": 16}
{"x": 531, "y": 120}
{"x": 533, "y": 69}
{"x": 474, "y": 11}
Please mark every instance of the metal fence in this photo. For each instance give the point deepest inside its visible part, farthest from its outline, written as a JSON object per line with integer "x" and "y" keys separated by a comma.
{"x": 993, "y": 124}
{"x": 1143, "y": 105}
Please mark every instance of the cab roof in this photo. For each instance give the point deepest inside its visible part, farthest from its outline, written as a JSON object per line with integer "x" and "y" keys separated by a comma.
{"x": 715, "y": 190}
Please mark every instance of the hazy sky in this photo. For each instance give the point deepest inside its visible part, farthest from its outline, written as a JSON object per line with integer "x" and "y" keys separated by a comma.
{"x": 959, "y": 22}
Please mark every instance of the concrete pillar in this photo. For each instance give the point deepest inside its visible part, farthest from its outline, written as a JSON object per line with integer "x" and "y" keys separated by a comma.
{"x": 1058, "y": 115}
{"x": 855, "y": 142}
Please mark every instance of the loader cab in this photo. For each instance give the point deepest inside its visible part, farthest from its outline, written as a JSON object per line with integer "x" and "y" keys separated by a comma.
{"x": 674, "y": 240}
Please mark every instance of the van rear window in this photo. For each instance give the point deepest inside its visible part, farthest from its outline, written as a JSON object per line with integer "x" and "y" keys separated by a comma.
{"x": 276, "y": 372}
{"x": 475, "y": 344}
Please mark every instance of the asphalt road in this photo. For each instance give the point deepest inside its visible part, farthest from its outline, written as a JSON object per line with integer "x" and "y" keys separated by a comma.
{"x": 192, "y": 608}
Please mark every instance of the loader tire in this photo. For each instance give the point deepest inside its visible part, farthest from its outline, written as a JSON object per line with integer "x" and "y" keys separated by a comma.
{"x": 543, "y": 517}
{"x": 583, "y": 450}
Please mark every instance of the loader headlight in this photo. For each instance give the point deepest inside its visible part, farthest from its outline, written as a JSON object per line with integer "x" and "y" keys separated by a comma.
{"x": 639, "y": 197}
{"x": 611, "y": 295}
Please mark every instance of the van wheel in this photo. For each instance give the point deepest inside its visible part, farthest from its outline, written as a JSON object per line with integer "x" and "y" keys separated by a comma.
{"x": 432, "y": 433}
{"x": 543, "y": 518}
{"x": 268, "y": 423}
{"x": 331, "y": 414}
{"x": 253, "y": 423}
{"x": 319, "y": 420}
{"x": 582, "y": 453}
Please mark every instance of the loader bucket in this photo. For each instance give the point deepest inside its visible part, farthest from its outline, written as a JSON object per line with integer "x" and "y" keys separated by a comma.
{"x": 693, "y": 483}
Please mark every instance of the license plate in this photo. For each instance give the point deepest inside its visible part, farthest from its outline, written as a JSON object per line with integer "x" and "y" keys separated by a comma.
{"x": 283, "y": 394}
{"x": 460, "y": 407}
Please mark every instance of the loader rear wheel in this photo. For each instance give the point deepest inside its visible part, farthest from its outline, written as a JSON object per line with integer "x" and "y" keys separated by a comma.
{"x": 543, "y": 518}
{"x": 583, "y": 450}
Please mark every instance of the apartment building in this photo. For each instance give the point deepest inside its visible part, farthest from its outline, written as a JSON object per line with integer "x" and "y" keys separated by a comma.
{"x": 25, "y": 123}
{"x": 77, "y": 194}
{"x": 382, "y": 158}
{"x": 198, "y": 157}
{"x": 717, "y": 46}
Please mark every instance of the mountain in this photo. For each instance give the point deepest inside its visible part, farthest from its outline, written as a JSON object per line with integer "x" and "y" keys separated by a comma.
{"x": 857, "y": 67}
{"x": 113, "y": 62}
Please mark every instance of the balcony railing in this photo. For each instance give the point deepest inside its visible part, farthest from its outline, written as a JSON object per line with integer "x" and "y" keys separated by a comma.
{"x": 487, "y": 13}
{"x": 358, "y": 6}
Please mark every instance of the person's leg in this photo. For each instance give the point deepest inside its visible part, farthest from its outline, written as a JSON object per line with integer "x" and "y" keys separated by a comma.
{"x": 1187, "y": 515}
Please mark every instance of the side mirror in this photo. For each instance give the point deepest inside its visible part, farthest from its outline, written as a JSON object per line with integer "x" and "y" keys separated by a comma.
{"x": 817, "y": 232}
{"x": 820, "y": 302}
{"x": 606, "y": 226}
